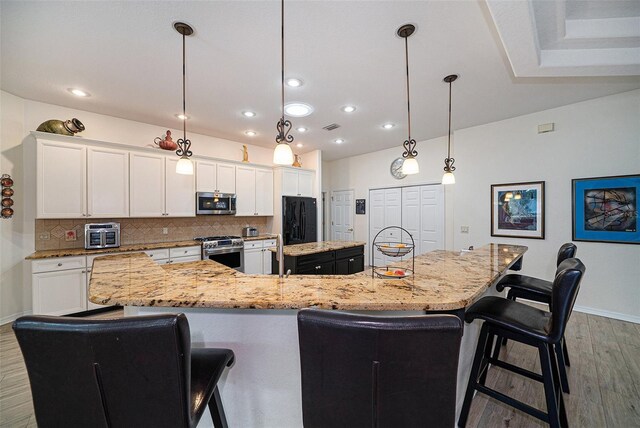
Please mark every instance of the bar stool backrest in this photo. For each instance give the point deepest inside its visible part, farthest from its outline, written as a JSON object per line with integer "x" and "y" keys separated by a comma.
{"x": 565, "y": 290}
{"x": 370, "y": 371}
{"x": 108, "y": 373}
{"x": 566, "y": 251}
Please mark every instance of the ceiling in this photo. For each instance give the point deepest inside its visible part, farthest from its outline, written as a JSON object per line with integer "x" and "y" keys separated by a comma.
{"x": 128, "y": 56}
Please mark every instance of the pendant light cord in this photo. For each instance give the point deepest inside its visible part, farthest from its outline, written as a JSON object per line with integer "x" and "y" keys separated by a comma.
{"x": 184, "y": 102}
{"x": 406, "y": 56}
{"x": 449, "y": 138}
{"x": 282, "y": 51}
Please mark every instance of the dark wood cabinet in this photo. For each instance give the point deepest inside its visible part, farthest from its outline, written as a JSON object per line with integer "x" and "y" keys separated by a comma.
{"x": 340, "y": 262}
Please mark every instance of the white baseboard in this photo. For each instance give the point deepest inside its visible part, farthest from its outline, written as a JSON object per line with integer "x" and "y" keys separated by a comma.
{"x": 609, "y": 314}
{"x": 12, "y": 318}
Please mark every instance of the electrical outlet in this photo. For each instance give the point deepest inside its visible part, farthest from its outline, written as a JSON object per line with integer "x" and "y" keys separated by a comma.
{"x": 44, "y": 236}
{"x": 464, "y": 229}
{"x": 165, "y": 230}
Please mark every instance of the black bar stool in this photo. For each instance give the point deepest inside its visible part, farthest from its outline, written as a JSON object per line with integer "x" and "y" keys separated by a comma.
{"x": 529, "y": 325}
{"x": 128, "y": 372}
{"x": 539, "y": 290}
{"x": 374, "y": 371}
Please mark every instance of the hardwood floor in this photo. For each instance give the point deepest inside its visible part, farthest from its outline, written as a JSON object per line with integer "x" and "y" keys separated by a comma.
{"x": 604, "y": 378}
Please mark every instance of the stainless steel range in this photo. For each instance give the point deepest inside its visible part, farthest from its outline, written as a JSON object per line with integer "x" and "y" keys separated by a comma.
{"x": 227, "y": 250}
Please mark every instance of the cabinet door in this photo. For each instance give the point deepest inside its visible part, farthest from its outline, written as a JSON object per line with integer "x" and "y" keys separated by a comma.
{"x": 266, "y": 261}
{"x": 61, "y": 173}
{"x": 356, "y": 264}
{"x": 289, "y": 183}
{"x": 264, "y": 192}
{"x": 245, "y": 191}
{"x": 107, "y": 182}
{"x": 226, "y": 178}
{"x": 146, "y": 187}
{"x": 342, "y": 267}
{"x": 253, "y": 261}
{"x": 180, "y": 196}
{"x": 206, "y": 176}
{"x": 60, "y": 293}
{"x": 305, "y": 183}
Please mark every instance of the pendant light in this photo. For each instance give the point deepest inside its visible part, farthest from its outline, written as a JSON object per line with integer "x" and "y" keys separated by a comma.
{"x": 410, "y": 164}
{"x": 283, "y": 155}
{"x": 184, "y": 165}
{"x": 448, "y": 177}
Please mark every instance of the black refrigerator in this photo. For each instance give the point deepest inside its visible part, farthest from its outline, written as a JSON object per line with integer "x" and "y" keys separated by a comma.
{"x": 299, "y": 220}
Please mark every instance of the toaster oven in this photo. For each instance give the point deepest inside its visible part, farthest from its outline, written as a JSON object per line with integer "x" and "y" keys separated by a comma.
{"x": 101, "y": 235}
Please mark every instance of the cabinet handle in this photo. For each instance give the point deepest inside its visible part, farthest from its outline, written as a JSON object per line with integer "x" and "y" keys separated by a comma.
{"x": 84, "y": 271}
{"x": 59, "y": 264}
{"x": 318, "y": 267}
{"x": 88, "y": 215}
{"x": 185, "y": 251}
{"x": 350, "y": 260}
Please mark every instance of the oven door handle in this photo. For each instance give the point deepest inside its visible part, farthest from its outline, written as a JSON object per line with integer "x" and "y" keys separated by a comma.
{"x": 209, "y": 252}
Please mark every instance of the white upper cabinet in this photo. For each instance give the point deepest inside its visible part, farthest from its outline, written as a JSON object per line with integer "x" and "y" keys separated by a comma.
{"x": 264, "y": 192}
{"x": 61, "y": 171}
{"x": 254, "y": 191}
{"x": 215, "y": 177}
{"x": 206, "y": 176}
{"x": 147, "y": 185}
{"x": 297, "y": 182}
{"x": 245, "y": 191}
{"x": 107, "y": 182}
{"x": 226, "y": 178}
{"x": 180, "y": 191}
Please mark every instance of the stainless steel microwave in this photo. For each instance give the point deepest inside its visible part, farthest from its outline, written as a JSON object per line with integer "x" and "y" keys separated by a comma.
{"x": 215, "y": 203}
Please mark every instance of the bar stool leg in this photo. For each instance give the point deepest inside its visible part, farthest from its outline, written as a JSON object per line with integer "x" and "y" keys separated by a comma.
{"x": 487, "y": 355}
{"x": 563, "y": 369}
{"x": 555, "y": 366}
{"x": 217, "y": 411}
{"x": 473, "y": 377}
{"x": 565, "y": 352}
{"x": 549, "y": 385}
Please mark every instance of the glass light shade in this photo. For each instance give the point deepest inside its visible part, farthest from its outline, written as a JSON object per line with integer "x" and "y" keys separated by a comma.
{"x": 283, "y": 155}
{"x": 448, "y": 178}
{"x": 184, "y": 166}
{"x": 410, "y": 166}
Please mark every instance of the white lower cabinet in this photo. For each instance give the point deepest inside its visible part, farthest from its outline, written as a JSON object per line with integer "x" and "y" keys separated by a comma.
{"x": 59, "y": 286}
{"x": 257, "y": 257}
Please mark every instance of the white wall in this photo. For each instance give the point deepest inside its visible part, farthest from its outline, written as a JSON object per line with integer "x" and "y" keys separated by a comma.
{"x": 17, "y": 118}
{"x": 599, "y": 137}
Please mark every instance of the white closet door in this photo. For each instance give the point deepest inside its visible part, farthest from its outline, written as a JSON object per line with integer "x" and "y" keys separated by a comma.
{"x": 392, "y": 217}
{"x": 376, "y": 223}
{"x": 431, "y": 218}
{"x": 411, "y": 215}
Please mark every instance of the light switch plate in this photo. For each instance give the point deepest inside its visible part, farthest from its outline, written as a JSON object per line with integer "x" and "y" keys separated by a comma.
{"x": 464, "y": 229}
{"x": 165, "y": 230}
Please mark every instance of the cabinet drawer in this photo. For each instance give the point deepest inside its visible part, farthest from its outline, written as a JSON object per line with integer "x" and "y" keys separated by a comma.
{"x": 268, "y": 243}
{"x": 317, "y": 258}
{"x": 349, "y": 252}
{"x": 58, "y": 263}
{"x": 186, "y": 259}
{"x": 162, "y": 253}
{"x": 184, "y": 252}
{"x": 252, "y": 244}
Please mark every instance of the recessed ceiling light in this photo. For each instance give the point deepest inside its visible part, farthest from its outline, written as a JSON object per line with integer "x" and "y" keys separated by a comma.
{"x": 348, "y": 109}
{"x": 388, "y": 125}
{"x": 79, "y": 92}
{"x": 248, "y": 113}
{"x": 251, "y": 133}
{"x": 301, "y": 129}
{"x": 294, "y": 83}
{"x": 298, "y": 109}
{"x": 182, "y": 116}
{"x": 299, "y": 145}
{"x": 338, "y": 141}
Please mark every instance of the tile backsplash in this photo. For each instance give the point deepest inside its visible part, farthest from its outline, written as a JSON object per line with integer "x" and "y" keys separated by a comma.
{"x": 144, "y": 230}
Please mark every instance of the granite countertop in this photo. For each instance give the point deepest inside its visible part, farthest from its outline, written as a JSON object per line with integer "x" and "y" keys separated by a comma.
{"x": 317, "y": 247}
{"x": 443, "y": 280}
{"x": 260, "y": 237}
{"x": 46, "y": 254}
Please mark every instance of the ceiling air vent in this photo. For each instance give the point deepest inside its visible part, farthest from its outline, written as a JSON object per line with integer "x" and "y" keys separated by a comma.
{"x": 331, "y": 127}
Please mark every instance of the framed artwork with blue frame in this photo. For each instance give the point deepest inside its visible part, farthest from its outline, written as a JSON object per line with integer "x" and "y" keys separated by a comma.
{"x": 605, "y": 209}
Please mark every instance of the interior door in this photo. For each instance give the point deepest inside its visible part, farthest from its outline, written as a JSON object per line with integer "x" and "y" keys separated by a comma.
{"x": 392, "y": 217}
{"x": 431, "y": 218}
{"x": 411, "y": 215}
{"x": 376, "y": 223}
{"x": 342, "y": 215}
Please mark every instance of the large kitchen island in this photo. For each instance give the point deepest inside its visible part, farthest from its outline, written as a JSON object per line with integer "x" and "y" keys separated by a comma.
{"x": 255, "y": 315}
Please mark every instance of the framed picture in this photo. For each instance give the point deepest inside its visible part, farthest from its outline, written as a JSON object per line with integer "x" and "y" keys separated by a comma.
{"x": 517, "y": 210}
{"x": 605, "y": 209}
{"x": 360, "y": 206}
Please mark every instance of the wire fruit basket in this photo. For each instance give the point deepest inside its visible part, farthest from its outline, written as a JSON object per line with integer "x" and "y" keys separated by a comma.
{"x": 393, "y": 249}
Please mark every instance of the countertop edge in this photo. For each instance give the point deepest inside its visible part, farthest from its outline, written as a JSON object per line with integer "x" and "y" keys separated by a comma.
{"x": 71, "y": 252}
